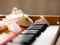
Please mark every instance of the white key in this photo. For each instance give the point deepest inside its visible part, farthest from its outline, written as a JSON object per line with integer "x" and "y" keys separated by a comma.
{"x": 21, "y": 39}
{"x": 30, "y": 31}
{"x": 13, "y": 43}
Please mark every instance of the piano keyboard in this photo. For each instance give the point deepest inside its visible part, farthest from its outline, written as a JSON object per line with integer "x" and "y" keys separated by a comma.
{"x": 37, "y": 34}
{"x": 28, "y": 36}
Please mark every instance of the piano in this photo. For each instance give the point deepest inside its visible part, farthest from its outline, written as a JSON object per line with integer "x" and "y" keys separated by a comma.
{"x": 40, "y": 33}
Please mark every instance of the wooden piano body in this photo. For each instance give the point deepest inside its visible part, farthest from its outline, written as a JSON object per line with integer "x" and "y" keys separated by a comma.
{"x": 52, "y": 20}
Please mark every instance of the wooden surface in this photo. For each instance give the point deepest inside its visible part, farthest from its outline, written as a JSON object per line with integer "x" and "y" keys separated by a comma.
{"x": 51, "y": 19}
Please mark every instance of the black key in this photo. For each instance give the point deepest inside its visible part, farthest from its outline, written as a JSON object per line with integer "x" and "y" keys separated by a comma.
{"x": 40, "y": 27}
{"x": 45, "y": 25}
{"x": 42, "y": 24}
{"x": 36, "y": 27}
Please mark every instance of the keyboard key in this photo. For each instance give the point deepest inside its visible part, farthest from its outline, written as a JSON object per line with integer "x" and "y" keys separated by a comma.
{"x": 34, "y": 32}
{"x": 36, "y": 27}
{"x": 14, "y": 43}
{"x": 40, "y": 27}
{"x": 21, "y": 39}
{"x": 30, "y": 31}
{"x": 24, "y": 39}
{"x": 25, "y": 35}
{"x": 42, "y": 24}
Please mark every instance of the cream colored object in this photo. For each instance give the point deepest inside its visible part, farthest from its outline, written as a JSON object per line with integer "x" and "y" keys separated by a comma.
{"x": 21, "y": 17}
{"x": 25, "y": 21}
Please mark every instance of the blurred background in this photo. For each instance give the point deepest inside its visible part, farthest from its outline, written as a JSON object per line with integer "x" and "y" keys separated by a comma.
{"x": 31, "y": 7}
